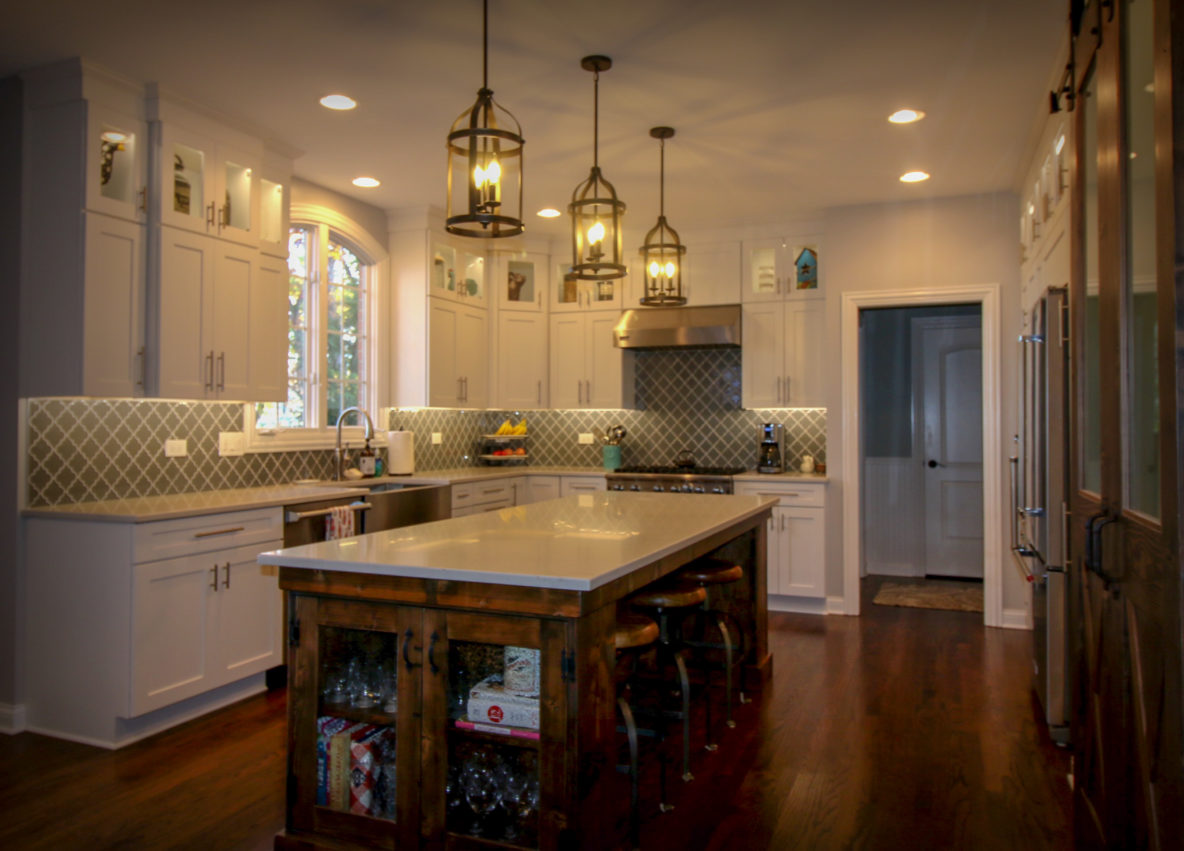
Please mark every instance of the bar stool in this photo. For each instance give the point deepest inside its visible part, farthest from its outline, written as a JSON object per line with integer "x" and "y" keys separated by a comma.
{"x": 667, "y": 602}
{"x": 633, "y": 633}
{"x": 708, "y": 573}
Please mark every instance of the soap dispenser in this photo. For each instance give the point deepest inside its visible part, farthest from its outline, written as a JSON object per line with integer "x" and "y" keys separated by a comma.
{"x": 367, "y": 460}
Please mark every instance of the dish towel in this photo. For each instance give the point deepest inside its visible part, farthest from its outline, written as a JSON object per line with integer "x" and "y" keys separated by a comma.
{"x": 339, "y": 522}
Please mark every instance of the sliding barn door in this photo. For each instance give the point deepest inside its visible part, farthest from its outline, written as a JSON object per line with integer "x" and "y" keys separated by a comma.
{"x": 1124, "y": 503}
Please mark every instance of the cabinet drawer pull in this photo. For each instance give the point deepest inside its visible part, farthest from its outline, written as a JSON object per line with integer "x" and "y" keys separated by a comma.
{"x": 210, "y": 215}
{"x": 407, "y": 636}
{"x": 214, "y": 577}
{"x": 210, "y": 371}
{"x": 493, "y": 490}
{"x": 432, "y": 653}
{"x": 143, "y": 195}
{"x": 222, "y": 371}
{"x": 142, "y": 356}
{"x": 219, "y": 532}
{"x": 226, "y": 581}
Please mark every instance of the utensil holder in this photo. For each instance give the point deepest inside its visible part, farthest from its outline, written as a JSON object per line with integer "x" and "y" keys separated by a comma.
{"x": 612, "y": 456}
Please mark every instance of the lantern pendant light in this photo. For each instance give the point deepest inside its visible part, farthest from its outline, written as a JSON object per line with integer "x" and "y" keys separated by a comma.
{"x": 595, "y": 209}
{"x": 661, "y": 253}
{"x": 485, "y": 145}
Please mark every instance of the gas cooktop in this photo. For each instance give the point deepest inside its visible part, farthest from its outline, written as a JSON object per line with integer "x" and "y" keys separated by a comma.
{"x": 679, "y": 471}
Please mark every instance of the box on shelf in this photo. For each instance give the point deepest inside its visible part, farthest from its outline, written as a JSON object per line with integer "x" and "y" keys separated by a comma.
{"x": 490, "y": 703}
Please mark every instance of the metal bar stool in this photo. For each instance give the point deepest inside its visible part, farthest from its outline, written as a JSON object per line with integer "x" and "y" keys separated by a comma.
{"x": 667, "y": 601}
{"x": 633, "y": 632}
{"x": 708, "y": 573}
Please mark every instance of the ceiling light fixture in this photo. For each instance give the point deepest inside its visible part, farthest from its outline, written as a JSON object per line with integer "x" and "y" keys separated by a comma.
{"x": 485, "y": 145}
{"x": 338, "y": 102}
{"x": 906, "y": 116}
{"x": 661, "y": 253}
{"x": 549, "y": 213}
{"x": 366, "y": 182}
{"x": 913, "y": 177}
{"x": 595, "y": 208}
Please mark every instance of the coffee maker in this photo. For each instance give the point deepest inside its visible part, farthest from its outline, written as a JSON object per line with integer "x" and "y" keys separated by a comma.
{"x": 771, "y": 454}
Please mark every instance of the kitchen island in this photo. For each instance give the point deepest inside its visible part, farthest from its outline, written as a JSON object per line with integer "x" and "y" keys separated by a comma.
{"x": 389, "y": 631}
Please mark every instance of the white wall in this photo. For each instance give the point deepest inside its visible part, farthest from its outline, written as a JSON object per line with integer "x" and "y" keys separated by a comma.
{"x": 371, "y": 218}
{"x": 962, "y": 241}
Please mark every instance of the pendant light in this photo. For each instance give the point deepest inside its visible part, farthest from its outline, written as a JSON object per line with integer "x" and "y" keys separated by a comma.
{"x": 485, "y": 145}
{"x": 661, "y": 253}
{"x": 595, "y": 209}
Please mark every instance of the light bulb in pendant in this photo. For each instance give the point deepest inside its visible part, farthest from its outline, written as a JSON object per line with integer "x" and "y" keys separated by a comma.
{"x": 655, "y": 269}
{"x": 670, "y": 270}
{"x": 596, "y": 233}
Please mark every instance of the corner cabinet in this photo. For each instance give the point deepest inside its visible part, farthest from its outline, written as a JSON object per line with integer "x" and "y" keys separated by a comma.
{"x": 82, "y": 272}
{"x": 387, "y": 749}
{"x": 796, "y": 536}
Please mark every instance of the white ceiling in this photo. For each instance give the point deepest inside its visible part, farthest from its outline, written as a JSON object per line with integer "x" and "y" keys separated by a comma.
{"x": 779, "y": 107}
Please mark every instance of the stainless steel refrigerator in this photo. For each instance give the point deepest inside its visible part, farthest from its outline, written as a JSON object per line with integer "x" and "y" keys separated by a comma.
{"x": 1039, "y": 495}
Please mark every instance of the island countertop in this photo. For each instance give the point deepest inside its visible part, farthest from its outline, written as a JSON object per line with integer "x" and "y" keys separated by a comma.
{"x": 577, "y": 543}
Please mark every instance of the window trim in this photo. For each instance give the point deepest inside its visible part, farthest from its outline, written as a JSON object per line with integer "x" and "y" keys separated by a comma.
{"x": 296, "y": 439}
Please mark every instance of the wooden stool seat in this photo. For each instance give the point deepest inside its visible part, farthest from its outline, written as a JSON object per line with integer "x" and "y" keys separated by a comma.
{"x": 711, "y": 571}
{"x": 634, "y": 630}
{"x": 670, "y": 597}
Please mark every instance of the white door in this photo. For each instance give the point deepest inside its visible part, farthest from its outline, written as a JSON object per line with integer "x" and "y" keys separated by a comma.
{"x": 805, "y": 323}
{"x": 604, "y": 362}
{"x": 234, "y": 270}
{"x": 443, "y": 379}
{"x": 472, "y": 355}
{"x": 567, "y": 360}
{"x": 948, "y": 353}
{"x": 763, "y": 356}
{"x": 245, "y": 615}
{"x": 114, "y": 291}
{"x": 268, "y": 357}
{"x": 521, "y": 360}
{"x": 184, "y": 362}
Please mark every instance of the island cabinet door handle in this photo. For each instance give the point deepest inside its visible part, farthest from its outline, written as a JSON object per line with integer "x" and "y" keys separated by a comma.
{"x": 214, "y": 577}
{"x": 432, "y": 653}
{"x": 407, "y": 636}
{"x": 226, "y": 581}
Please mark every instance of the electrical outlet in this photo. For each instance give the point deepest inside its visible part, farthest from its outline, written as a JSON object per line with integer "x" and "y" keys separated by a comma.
{"x": 437, "y": 438}
{"x": 176, "y": 447}
{"x": 586, "y": 438}
{"x": 231, "y": 443}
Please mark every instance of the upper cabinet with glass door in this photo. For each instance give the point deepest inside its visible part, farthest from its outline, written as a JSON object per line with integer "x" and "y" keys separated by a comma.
{"x": 275, "y": 186}
{"x": 776, "y": 269}
{"x": 456, "y": 272}
{"x": 209, "y": 175}
{"x": 116, "y": 163}
{"x": 570, "y": 293}
{"x": 520, "y": 279}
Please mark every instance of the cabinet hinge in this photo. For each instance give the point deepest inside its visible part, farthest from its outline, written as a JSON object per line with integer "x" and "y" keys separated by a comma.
{"x": 293, "y": 631}
{"x": 567, "y": 664}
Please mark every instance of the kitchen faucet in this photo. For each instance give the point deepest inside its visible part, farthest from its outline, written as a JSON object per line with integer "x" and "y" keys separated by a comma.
{"x": 339, "y": 453}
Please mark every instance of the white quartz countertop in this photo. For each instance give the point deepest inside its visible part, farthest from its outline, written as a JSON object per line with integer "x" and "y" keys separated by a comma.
{"x": 146, "y": 509}
{"x": 578, "y": 543}
{"x": 789, "y": 476}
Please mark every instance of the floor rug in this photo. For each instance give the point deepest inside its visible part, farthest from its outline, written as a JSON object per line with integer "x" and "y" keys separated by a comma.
{"x": 932, "y": 594}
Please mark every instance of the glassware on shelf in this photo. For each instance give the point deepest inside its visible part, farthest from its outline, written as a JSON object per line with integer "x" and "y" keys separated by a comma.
{"x": 390, "y": 689}
{"x": 479, "y": 781}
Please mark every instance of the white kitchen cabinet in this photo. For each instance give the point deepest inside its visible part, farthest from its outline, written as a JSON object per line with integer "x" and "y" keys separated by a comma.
{"x": 581, "y": 484}
{"x": 457, "y": 273}
{"x": 796, "y": 549}
{"x": 521, "y": 361}
{"x": 458, "y": 340}
{"x": 587, "y": 370}
{"x": 541, "y": 488}
{"x": 208, "y": 174}
{"x": 126, "y": 634}
{"x": 275, "y": 188}
{"x": 206, "y": 290}
{"x": 490, "y": 495}
{"x": 711, "y": 273}
{"x": 521, "y": 280}
{"x": 82, "y": 271}
{"x": 571, "y": 294}
{"x": 771, "y": 273}
{"x": 267, "y": 361}
{"x": 783, "y": 351}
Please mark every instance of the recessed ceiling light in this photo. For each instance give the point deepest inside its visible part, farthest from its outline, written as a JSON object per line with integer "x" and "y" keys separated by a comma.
{"x": 113, "y": 136}
{"x": 549, "y": 213}
{"x": 913, "y": 177}
{"x": 366, "y": 182}
{"x": 338, "y": 102}
{"x": 906, "y": 116}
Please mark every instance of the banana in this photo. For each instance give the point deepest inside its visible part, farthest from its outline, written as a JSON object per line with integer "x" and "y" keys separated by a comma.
{"x": 505, "y": 428}
{"x": 521, "y": 427}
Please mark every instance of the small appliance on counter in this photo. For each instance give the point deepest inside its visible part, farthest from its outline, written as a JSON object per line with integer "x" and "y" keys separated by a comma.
{"x": 400, "y": 453}
{"x": 771, "y": 453}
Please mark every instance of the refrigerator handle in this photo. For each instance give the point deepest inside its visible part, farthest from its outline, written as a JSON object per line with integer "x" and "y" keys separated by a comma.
{"x": 1018, "y": 552}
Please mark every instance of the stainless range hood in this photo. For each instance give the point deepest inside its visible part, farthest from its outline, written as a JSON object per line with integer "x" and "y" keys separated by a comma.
{"x": 678, "y": 327}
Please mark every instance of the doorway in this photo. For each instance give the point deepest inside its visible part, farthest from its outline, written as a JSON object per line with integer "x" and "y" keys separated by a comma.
{"x": 921, "y": 410}
{"x": 986, "y": 299}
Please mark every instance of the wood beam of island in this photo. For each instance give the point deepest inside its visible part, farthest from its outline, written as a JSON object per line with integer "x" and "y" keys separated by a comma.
{"x": 548, "y": 575}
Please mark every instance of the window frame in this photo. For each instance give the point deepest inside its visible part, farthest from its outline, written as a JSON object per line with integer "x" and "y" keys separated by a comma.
{"x": 319, "y": 218}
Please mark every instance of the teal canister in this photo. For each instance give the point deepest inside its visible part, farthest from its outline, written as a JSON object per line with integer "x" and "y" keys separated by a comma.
{"x": 612, "y": 456}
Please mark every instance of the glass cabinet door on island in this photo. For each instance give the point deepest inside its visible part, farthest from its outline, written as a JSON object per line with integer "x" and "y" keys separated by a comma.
{"x": 413, "y": 723}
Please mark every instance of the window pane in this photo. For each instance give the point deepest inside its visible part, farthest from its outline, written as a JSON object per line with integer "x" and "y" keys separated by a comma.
{"x": 1142, "y": 427}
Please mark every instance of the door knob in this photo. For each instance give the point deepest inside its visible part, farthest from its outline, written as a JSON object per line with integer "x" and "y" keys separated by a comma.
{"x": 933, "y": 463}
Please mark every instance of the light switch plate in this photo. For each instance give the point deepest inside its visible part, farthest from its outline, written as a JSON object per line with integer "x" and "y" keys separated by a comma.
{"x": 231, "y": 443}
{"x": 437, "y": 438}
{"x": 176, "y": 447}
{"x": 586, "y": 438}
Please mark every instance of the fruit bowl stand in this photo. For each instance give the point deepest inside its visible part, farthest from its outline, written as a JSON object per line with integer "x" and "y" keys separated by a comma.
{"x": 503, "y": 449}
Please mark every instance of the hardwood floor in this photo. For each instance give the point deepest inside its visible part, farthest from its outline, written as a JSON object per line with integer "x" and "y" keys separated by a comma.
{"x": 903, "y": 728}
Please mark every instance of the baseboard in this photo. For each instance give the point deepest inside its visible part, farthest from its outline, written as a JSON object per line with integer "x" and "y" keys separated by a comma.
{"x": 799, "y": 605}
{"x": 888, "y": 568}
{"x": 12, "y": 718}
{"x": 836, "y": 605}
{"x": 1016, "y": 619}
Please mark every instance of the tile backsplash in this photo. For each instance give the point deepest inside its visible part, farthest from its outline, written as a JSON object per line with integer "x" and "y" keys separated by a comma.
{"x": 82, "y": 449}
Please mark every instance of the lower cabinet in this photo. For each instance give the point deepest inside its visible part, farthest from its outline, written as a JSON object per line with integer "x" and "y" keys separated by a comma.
{"x": 389, "y": 750}
{"x": 796, "y": 537}
{"x": 541, "y": 488}
{"x": 479, "y": 497}
{"x": 580, "y": 484}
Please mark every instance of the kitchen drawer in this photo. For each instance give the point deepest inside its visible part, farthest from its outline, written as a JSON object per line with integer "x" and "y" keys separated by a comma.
{"x": 788, "y": 493}
{"x": 189, "y": 535}
{"x": 500, "y": 491}
{"x": 482, "y": 509}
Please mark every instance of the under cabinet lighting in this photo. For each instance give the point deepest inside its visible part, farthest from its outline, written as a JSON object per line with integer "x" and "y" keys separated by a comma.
{"x": 366, "y": 182}
{"x": 338, "y": 102}
{"x": 913, "y": 177}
